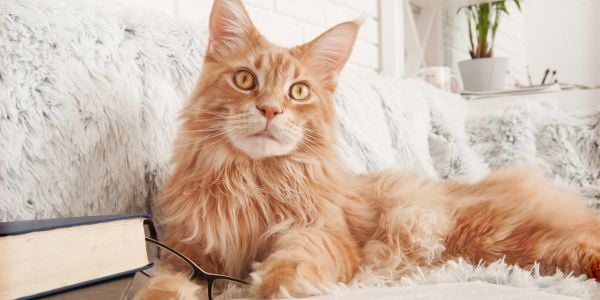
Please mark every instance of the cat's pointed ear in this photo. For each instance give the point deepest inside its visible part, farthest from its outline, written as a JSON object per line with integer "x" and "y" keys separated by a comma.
{"x": 327, "y": 54}
{"x": 230, "y": 28}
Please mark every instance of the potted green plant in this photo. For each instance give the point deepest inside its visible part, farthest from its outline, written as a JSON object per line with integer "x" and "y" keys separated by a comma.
{"x": 484, "y": 72}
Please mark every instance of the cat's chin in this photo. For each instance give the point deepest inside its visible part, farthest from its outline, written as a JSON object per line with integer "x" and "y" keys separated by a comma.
{"x": 260, "y": 146}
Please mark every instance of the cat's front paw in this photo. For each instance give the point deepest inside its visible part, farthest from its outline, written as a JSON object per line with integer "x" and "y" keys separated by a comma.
{"x": 170, "y": 287}
{"x": 290, "y": 279}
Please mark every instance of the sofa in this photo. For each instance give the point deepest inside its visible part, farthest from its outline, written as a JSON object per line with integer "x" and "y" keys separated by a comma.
{"x": 89, "y": 95}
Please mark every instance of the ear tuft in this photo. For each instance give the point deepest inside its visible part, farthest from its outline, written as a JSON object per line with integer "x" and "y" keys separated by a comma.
{"x": 230, "y": 28}
{"x": 327, "y": 54}
{"x": 360, "y": 20}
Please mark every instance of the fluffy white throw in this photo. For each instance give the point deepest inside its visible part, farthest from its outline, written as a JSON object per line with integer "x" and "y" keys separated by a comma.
{"x": 88, "y": 103}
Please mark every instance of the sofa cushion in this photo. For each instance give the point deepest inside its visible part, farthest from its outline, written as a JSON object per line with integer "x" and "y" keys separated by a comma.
{"x": 449, "y": 144}
{"x": 407, "y": 115}
{"x": 365, "y": 143}
{"x": 565, "y": 146}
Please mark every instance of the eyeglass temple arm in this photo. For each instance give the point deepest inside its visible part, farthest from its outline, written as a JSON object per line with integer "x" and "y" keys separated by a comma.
{"x": 151, "y": 228}
{"x": 217, "y": 276}
{"x": 198, "y": 272}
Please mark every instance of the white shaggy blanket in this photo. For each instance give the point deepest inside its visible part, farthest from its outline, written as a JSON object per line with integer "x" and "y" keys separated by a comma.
{"x": 88, "y": 102}
{"x": 565, "y": 146}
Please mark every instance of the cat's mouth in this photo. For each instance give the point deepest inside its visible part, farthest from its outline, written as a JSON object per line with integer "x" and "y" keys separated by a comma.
{"x": 264, "y": 134}
{"x": 264, "y": 142}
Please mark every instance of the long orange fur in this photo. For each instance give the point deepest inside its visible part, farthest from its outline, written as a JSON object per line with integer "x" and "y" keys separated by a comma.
{"x": 298, "y": 223}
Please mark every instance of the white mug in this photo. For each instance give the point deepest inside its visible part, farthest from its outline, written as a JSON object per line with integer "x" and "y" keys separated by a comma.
{"x": 441, "y": 77}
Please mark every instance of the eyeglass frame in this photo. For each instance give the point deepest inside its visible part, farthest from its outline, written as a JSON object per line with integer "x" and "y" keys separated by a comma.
{"x": 199, "y": 273}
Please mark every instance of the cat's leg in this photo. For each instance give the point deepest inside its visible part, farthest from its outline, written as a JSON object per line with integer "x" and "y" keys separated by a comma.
{"x": 171, "y": 286}
{"x": 411, "y": 224}
{"x": 304, "y": 262}
{"x": 171, "y": 275}
{"x": 516, "y": 215}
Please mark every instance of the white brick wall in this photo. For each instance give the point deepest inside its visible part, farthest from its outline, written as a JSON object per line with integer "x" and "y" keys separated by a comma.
{"x": 292, "y": 22}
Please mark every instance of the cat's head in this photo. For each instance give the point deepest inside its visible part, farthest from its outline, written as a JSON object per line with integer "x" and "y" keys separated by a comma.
{"x": 262, "y": 99}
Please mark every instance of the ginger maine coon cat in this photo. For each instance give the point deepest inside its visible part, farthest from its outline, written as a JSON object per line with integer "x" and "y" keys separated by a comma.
{"x": 258, "y": 191}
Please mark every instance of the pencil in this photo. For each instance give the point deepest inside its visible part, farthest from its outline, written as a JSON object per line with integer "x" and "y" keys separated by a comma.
{"x": 545, "y": 76}
{"x": 553, "y": 78}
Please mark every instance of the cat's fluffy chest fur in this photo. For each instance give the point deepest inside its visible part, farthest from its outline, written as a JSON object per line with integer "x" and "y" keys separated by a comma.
{"x": 232, "y": 212}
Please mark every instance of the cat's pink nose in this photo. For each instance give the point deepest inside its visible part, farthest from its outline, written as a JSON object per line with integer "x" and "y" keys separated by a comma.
{"x": 269, "y": 111}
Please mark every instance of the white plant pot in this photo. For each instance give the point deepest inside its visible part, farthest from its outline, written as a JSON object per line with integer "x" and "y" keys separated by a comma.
{"x": 483, "y": 74}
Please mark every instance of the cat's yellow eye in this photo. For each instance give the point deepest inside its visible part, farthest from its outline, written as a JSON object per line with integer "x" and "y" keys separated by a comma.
{"x": 300, "y": 91}
{"x": 244, "y": 80}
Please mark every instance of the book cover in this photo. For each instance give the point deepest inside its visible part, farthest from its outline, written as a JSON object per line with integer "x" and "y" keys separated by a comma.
{"x": 21, "y": 227}
{"x": 34, "y": 237}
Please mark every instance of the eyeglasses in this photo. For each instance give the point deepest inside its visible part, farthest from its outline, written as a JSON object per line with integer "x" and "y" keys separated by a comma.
{"x": 216, "y": 283}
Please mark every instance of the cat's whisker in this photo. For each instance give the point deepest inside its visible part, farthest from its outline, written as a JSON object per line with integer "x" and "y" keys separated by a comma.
{"x": 204, "y": 138}
{"x": 311, "y": 132}
{"x": 203, "y": 114}
{"x": 200, "y": 108}
{"x": 227, "y": 109}
{"x": 178, "y": 147}
{"x": 215, "y": 118}
{"x": 310, "y": 136}
{"x": 309, "y": 146}
{"x": 231, "y": 132}
{"x": 233, "y": 135}
{"x": 219, "y": 115}
{"x": 202, "y": 130}
{"x": 218, "y": 120}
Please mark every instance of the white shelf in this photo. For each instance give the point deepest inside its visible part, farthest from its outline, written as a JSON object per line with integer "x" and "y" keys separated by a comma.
{"x": 446, "y": 3}
{"x": 567, "y": 101}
